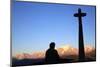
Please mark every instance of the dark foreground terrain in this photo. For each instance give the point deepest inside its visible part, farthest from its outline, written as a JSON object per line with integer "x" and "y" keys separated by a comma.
{"x": 26, "y": 62}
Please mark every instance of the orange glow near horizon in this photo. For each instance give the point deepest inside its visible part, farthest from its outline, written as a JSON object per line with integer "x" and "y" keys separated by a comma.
{"x": 62, "y": 51}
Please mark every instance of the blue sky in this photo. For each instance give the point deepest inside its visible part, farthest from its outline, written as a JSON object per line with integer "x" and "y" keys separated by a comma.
{"x": 35, "y": 25}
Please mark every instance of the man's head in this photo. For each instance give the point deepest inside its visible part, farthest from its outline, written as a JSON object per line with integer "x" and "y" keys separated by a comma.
{"x": 52, "y": 45}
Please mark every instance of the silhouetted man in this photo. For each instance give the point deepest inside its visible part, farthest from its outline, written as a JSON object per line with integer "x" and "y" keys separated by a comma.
{"x": 52, "y": 54}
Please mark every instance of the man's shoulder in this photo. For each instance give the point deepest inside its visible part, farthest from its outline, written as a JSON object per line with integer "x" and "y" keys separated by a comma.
{"x": 47, "y": 50}
{"x": 55, "y": 50}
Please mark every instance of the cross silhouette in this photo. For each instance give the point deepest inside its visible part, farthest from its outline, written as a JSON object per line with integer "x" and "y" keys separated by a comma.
{"x": 81, "y": 39}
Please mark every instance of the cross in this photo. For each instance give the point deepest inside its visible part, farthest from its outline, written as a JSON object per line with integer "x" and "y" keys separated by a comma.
{"x": 81, "y": 39}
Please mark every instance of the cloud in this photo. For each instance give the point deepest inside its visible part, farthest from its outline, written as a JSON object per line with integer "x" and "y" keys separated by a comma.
{"x": 34, "y": 55}
{"x": 63, "y": 52}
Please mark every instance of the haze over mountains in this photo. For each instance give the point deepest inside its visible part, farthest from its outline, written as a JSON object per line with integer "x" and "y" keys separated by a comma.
{"x": 64, "y": 52}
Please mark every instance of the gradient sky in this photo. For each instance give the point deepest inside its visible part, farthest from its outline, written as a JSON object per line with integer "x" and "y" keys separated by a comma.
{"x": 35, "y": 25}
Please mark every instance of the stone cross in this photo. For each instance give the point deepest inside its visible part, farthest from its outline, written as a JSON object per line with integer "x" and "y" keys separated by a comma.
{"x": 81, "y": 39}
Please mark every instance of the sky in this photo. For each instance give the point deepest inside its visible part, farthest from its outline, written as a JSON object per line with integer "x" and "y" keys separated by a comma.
{"x": 35, "y": 25}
